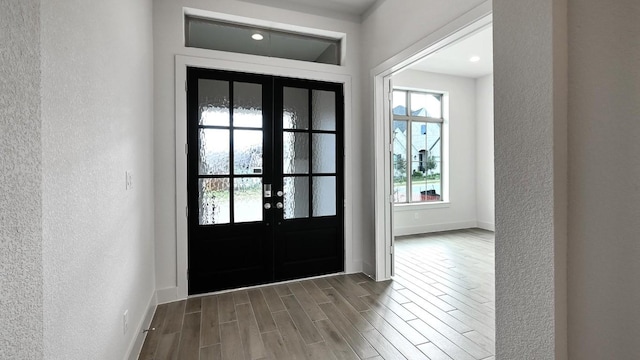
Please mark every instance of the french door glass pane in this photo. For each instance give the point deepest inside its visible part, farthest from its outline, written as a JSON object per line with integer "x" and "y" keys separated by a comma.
{"x": 295, "y": 113}
{"x": 247, "y": 105}
{"x": 423, "y": 104}
{"x": 324, "y": 153}
{"x": 213, "y": 102}
{"x": 296, "y": 197}
{"x": 247, "y": 152}
{"x": 323, "y": 110}
{"x": 213, "y": 201}
{"x": 295, "y": 152}
{"x": 214, "y": 152}
{"x": 324, "y": 196}
{"x": 247, "y": 199}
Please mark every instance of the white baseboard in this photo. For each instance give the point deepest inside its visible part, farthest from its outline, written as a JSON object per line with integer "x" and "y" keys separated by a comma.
{"x": 167, "y": 295}
{"x": 138, "y": 341}
{"x": 487, "y": 226}
{"x": 427, "y": 228}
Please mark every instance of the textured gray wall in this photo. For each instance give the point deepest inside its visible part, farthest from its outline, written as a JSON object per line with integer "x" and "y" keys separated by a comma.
{"x": 604, "y": 178}
{"x": 530, "y": 173}
{"x": 20, "y": 179}
{"x": 97, "y": 107}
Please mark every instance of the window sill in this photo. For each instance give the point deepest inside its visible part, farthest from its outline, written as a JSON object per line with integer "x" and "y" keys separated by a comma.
{"x": 421, "y": 206}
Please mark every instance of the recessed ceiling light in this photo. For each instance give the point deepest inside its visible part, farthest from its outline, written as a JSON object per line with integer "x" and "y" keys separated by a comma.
{"x": 474, "y": 58}
{"x": 257, "y": 37}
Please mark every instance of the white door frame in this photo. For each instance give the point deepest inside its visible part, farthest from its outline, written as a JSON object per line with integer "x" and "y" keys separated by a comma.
{"x": 471, "y": 22}
{"x": 255, "y": 65}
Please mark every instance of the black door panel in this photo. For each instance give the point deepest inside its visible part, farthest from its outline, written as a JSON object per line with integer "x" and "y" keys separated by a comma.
{"x": 248, "y": 134}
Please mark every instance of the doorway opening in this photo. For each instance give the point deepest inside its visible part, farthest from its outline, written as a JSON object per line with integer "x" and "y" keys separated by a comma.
{"x": 435, "y": 179}
{"x": 442, "y": 139}
{"x": 455, "y": 32}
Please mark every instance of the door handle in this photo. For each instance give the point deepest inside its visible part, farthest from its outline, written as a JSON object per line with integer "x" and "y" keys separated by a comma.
{"x": 267, "y": 206}
{"x": 279, "y": 205}
{"x": 279, "y": 193}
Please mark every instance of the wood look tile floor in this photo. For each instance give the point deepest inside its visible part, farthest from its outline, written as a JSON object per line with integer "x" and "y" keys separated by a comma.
{"x": 439, "y": 305}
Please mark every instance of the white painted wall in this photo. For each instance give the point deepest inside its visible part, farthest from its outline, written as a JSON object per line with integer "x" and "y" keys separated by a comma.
{"x": 168, "y": 41}
{"x": 98, "y": 253}
{"x": 530, "y": 162}
{"x": 20, "y": 181}
{"x": 485, "y": 194}
{"x": 460, "y": 210}
{"x": 604, "y": 178}
{"x": 390, "y": 27}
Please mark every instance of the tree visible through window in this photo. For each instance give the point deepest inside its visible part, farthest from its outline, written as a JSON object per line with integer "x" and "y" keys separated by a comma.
{"x": 417, "y": 146}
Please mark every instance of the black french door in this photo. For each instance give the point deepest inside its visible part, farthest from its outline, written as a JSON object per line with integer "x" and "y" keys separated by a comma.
{"x": 264, "y": 179}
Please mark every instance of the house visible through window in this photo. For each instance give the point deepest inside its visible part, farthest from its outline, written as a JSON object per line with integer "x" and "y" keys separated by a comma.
{"x": 417, "y": 146}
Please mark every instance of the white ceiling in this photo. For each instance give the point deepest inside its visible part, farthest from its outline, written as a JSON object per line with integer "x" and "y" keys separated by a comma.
{"x": 454, "y": 59}
{"x": 351, "y": 8}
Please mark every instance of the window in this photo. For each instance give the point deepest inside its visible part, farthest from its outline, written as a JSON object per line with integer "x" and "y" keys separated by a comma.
{"x": 417, "y": 146}
{"x": 241, "y": 38}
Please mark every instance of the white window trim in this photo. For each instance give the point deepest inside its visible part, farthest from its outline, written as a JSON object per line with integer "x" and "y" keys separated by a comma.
{"x": 444, "y": 143}
{"x": 401, "y": 207}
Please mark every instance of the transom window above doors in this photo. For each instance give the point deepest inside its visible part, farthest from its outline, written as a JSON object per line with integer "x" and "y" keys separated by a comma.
{"x": 245, "y": 38}
{"x": 417, "y": 146}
